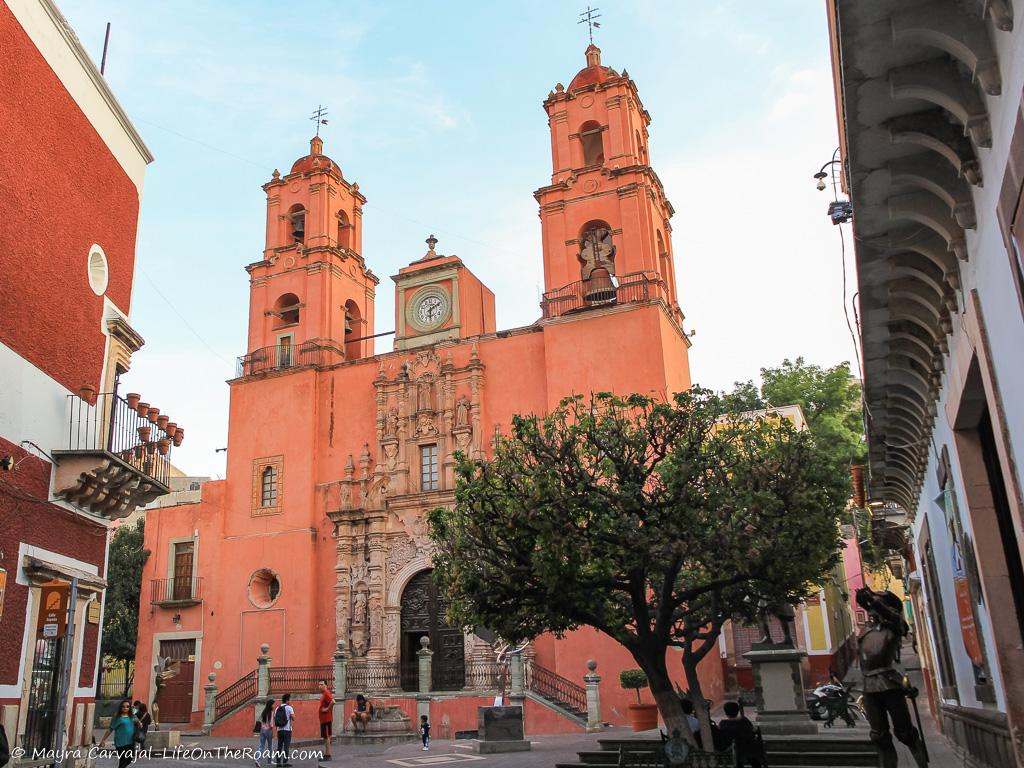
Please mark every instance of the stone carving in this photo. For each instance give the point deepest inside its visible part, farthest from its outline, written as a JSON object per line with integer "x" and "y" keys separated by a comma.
{"x": 462, "y": 412}
{"x": 391, "y": 633}
{"x": 463, "y": 438}
{"x": 425, "y": 395}
{"x": 376, "y": 624}
{"x": 359, "y": 572}
{"x": 425, "y": 426}
{"x": 391, "y": 422}
{"x": 390, "y": 457}
{"x": 402, "y": 550}
{"x": 359, "y": 615}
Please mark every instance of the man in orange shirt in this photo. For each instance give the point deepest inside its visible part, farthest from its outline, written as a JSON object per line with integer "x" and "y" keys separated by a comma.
{"x": 326, "y": 716}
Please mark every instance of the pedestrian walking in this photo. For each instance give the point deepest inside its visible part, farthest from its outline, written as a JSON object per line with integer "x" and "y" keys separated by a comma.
{"x": 145, "y": 720}
{"x": 425, "y": 732}
{"x": 264, "y": 728}
{"x": 284, "y": 718}
{"x": 123, "y": 726}
{"x": 326, "y": 717}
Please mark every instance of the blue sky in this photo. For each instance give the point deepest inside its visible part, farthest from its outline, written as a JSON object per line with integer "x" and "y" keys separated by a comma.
{"x": 435, "y": 109}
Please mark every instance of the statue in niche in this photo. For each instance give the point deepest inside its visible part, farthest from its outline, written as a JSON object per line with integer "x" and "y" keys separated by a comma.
{"x": 462, "y": 412}
{"x": 359, "y": 608}
{"x": 391, "y": 422}
{"x": 425, "y": 395}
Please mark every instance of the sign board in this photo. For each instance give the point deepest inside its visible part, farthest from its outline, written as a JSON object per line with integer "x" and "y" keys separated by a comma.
{"x": 53, "y": 610}
{"x": 3, "y": 589}
{"x": 93, "y": 616}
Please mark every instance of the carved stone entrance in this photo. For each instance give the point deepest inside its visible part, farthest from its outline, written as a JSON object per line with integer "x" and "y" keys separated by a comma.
{"x": 423, "y": 616}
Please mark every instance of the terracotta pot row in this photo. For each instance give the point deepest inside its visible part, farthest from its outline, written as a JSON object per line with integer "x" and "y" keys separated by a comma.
{"x": 175, "y": 433}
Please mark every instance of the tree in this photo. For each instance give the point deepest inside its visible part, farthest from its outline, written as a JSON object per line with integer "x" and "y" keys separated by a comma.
{"x": 124, "y": 583}
{"x": 652, "y": 522}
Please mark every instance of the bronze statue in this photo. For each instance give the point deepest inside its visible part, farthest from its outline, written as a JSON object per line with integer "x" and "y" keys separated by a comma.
{"x": 165, "y": 669}
{"x": 785, "y": 614}
{"x": 885, "y": 694}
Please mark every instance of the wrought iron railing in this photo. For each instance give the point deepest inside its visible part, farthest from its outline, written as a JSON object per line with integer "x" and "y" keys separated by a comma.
{"x": 486, "y": 675}
{"x": 634, "y": 286}
{"x": 235, "y": 695}
{"x": 281, "y": 358}
{"x": 300, "y": 679}
{"x": 365, "y": 676}
{"x": 554, "y": 687}
{"x": 176, "y": 591}
{"x": 111, "y": 425}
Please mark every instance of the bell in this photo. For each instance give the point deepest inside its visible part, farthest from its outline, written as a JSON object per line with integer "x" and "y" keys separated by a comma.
{"x": 599, "y": 287}
{"x": 348, "y": 323}
{"x": 299, "y": 227}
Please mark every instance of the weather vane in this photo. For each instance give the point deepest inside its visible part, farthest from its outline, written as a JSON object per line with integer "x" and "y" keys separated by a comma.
{"x": 319, "y": 117}
{"x": 587, "y": 18}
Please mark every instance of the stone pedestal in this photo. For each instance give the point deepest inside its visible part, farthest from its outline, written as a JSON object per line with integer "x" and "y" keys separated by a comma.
{"x": 779, "y": 690}
{"x": 158, "y": 740}
{"x": 500, "y": 730}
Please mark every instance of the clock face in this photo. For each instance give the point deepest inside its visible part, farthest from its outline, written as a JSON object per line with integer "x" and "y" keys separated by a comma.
{"x": 430, "y": 308}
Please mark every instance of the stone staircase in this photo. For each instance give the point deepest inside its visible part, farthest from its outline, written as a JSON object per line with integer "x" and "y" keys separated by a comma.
{"x": 822, "y": 751}
{"x": 557, "y": 693}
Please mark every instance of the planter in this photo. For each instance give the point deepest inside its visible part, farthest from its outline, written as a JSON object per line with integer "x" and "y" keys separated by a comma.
{"x": 179, "y": 435}
{"x": 643, "y": 717}
{"x": 163, "y": 445}
{"x": 170, "y": 429}
{"x": 88, "y": 393}
{"x": 151, "y": 414}
{"x": 142, "y": 408}
{"x": 161, "y": 421}
{"x": 132, "y": 398}
{"x": 144, "y": 433}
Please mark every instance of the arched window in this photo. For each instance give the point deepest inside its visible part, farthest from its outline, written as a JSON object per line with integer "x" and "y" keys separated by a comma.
{"x": 344, "y": 231}
{"x": 353, "y": 330}
{"x": 597, "y": 261}
{"x": 286, "y": 310}
{"x": 297, "y": 223}
{"x": 593, "y": 147}
{"x": 268, "y": 487}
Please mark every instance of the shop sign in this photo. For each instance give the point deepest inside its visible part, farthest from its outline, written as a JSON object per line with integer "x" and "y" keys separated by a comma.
{"x": 53, "y": 610}
{"x": 93, "y": 616}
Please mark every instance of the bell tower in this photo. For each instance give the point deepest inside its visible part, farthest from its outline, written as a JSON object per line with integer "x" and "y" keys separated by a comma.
{"x": 312, "y": 294}
{"x": 604, "y": 216}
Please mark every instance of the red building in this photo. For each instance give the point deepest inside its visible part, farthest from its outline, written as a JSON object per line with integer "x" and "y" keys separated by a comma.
{"x": 316, "y": 543}
{"x": 72, "y": 458}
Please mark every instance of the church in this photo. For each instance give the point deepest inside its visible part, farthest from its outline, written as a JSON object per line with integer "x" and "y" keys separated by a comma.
{"x": 316, "y": 545}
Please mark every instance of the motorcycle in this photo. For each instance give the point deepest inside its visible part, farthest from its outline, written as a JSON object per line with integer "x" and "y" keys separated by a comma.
{"x": 829, "y": 701}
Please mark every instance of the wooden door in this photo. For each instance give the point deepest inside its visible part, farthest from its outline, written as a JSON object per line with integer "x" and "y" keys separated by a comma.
{"x": 176, "y": 696}
{"x": 184, "y": 553}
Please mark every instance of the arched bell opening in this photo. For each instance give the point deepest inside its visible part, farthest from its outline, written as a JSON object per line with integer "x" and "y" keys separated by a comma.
{"x": 597, "y": 262}
{"x": 353, "y": 330}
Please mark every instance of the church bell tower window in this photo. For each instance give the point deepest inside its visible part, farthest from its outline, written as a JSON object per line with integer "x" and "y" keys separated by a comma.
{"x": 268, "y": 487}
{"x": 297, "y": 223}
{"x": 593, "y": 146}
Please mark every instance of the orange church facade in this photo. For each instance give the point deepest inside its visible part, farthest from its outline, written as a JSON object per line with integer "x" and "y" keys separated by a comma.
{"x": 317, "y": 539}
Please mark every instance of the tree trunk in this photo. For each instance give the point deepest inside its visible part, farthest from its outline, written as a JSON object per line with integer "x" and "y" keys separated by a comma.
{"x": 652, "y": 662}
{"x": 697, "y": 697}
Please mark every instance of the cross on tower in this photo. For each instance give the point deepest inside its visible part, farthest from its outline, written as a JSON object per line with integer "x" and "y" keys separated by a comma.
{"x": 587, "y": 17}
{"x": 319, "y": 117}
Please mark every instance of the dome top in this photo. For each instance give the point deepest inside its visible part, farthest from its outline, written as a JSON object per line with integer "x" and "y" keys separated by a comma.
{"x": 316, "y": 160}
{"x": 593, "y": 73}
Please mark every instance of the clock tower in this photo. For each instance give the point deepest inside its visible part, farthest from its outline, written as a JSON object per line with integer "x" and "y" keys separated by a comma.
{"x": 438, "y": 298}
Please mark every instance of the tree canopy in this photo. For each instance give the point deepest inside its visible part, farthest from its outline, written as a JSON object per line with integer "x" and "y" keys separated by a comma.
{"x": 652, "y": 522}
{"x": 124, "y": 582}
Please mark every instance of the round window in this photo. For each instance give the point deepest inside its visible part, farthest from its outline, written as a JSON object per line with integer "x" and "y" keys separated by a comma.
{"x": 264, "y": 588}
{"x": 97, "y": 270}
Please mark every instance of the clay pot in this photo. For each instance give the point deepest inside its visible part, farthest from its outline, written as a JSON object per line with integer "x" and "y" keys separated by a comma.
{"x": 163, "y": 445}
{"x": 132, "y": 398}
{"x": 179, "y": 436}
{"x": 161, "y": 421}
{"x": 151, "y": 447}
{"x": 151, "y": 414}
{"x": 171, "y": 428}
{"x": 142, "y": 408}
{"x": 144, "y": 433}
{"x": 138, "y": 450}
{"x": 88, "y": 393}
{"x": 643, "y": 717}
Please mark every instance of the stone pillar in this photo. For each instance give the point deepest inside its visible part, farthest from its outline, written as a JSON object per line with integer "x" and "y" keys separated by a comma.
{"x": 779, "y": 689}
{"x": 593, "y": 682}
{"x": 210, "y": 712}
{"x": 515, "y": 673}
{"x": 425, "y": 655}
{"x": 263, "y": 673}
{"x": 340, "y": 680}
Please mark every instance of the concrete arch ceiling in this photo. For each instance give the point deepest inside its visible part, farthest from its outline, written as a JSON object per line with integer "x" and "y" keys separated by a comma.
{"x": 915, "y": 78}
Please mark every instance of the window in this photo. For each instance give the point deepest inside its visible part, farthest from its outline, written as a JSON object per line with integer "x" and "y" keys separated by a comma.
{"x": 284, "y": 351}
{"x": 268, "y": 487}
{"x": 97, "y": 270}
{"x": 264, "y": 588}
{"x": 286, "y": 310}
{"x": 428, "y": 468}
{"x": 344, "y": 231}
{"x": 593, "y": 147}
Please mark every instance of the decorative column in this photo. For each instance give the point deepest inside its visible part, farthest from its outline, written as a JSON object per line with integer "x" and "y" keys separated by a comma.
{"x": 210, "y": 712}
{"x": 515, "y": 674}
{"x": 593, "y": 680}
{"x": 424, "y": 657}
{"x": 263, "y": 672}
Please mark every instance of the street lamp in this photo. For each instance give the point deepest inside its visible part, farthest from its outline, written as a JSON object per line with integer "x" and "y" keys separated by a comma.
{"x": 840, "y": 211}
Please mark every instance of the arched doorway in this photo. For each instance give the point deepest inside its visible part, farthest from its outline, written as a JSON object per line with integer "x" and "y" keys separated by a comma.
{"x": 423, "y": 616}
